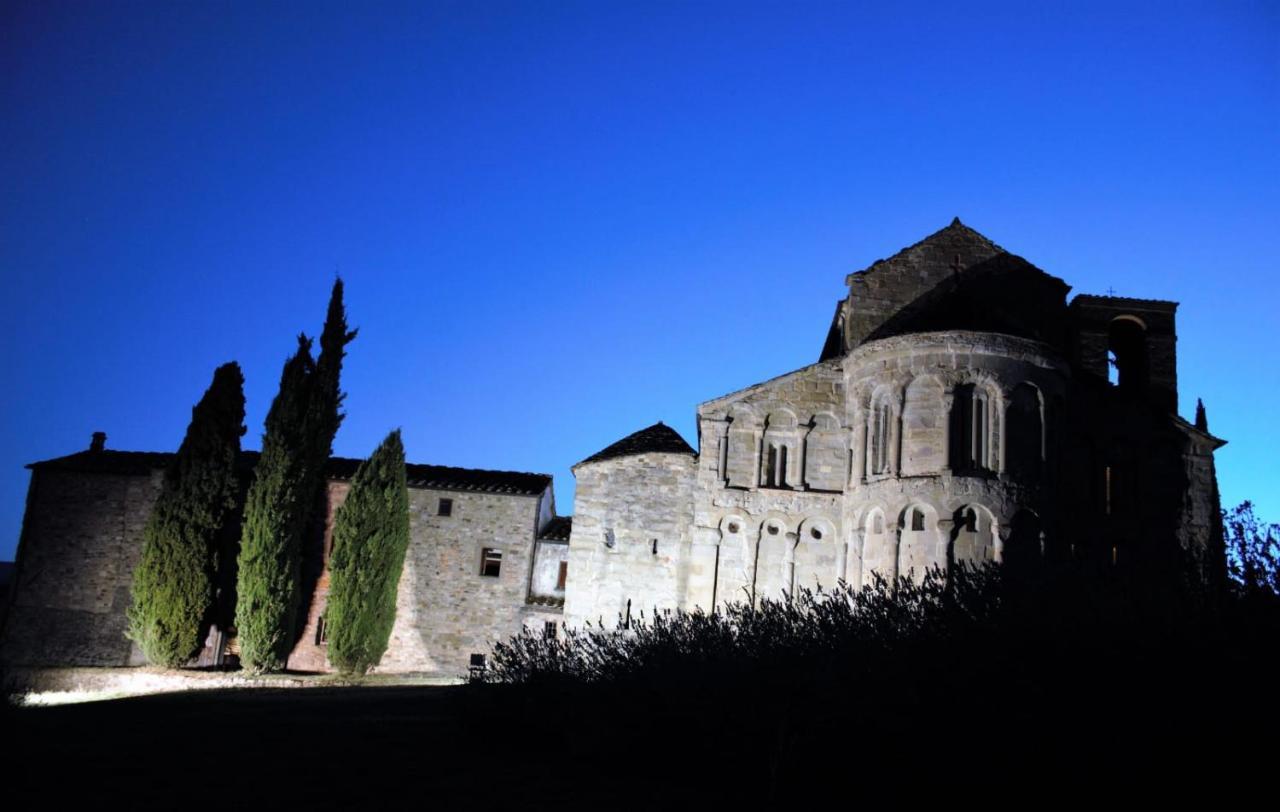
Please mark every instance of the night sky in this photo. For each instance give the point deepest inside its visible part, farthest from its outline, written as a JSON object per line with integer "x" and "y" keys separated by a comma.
{"x": 559, "y": 223}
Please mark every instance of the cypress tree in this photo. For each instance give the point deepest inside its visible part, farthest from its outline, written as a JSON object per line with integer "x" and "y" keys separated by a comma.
{"x": 269, "y": 577}
{"x": 324, "y": 415}
{"x": 173, "y": 581}
{"x": 370, "y": 537}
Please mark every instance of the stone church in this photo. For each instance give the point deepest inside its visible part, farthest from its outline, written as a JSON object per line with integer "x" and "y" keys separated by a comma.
{"x": 960, "y": 410}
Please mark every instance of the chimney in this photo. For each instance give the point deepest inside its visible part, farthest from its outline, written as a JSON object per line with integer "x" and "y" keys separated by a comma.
{"x": 99, "y": 441}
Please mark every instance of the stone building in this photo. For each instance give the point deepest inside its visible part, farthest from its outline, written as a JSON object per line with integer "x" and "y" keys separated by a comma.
{"x": 961, "y": 410}
{"x": 483, "y": 561}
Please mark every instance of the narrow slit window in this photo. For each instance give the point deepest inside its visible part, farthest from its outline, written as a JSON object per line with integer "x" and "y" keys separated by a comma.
{"x": 563, "y": 576}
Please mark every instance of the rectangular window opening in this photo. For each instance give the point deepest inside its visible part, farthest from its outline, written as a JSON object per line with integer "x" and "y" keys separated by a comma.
{"x": 549, "y": 630}
{"x": 563, "y": 576}
{"x": 445, "y": 508}
{"x": 491, "y": 562}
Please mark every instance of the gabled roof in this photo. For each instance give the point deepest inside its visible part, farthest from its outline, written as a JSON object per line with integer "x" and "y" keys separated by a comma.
{"x": 435, "y": 477}
{"x": 942, "y": 248}
{"x": 657, "y": 439}
{"x": 954, "y": 279}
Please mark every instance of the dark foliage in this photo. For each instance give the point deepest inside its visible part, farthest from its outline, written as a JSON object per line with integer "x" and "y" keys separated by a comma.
{"x": 325, "y": 411}
{"x": 370, "y": 537}
{"x": 1253, "y": 551}
{"x": 964, "y": 678}
{"x": 841, "y": 623}
{"x": 275, "y": 516}
{"x": 173, "y": 582}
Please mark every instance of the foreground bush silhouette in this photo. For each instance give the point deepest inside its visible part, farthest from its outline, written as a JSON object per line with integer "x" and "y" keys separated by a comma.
{"x": 975, "y": 673}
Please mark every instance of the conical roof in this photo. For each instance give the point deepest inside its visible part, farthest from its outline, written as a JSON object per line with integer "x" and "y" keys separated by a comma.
{"x": 656, "y": 439}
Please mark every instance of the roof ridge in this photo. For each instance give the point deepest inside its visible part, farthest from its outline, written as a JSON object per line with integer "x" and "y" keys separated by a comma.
{"x": 954, "y": 224}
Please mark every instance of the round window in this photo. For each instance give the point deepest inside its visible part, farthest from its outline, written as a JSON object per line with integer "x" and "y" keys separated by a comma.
{"x": 733, "y": 527}
{"x": 773, "y": 530}
{"x": 816, "y": 533}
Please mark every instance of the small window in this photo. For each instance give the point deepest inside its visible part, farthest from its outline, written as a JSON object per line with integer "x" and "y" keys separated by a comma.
{"x": 970, "y": 521}
{"x": 816, "y": 533}
{"x": 655, "y": 546}
{"x": 491, "y": 562}
{"x": 549, "y": 630}
{"x": 322, "y": 631}
{"x": 445, "y": 508}
{"x": 563, "y": 576}
{"x": 917, "y": 519}
{"x": 733, "y": 527}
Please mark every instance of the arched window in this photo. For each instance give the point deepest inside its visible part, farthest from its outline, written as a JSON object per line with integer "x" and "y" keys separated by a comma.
{"x": 780, "y": 438}
{"x": 1023, "y": 431}
{"x": 970, "y": 421}
{"x": 1127, "y": 353}
{"x": 881, "y": 422}
{"x": 775, "y": 466}
{"x": 972, "y": 542}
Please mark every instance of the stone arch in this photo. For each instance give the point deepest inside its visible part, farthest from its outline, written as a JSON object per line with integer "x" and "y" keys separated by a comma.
{"x": 1024, "y": 547}
{"x": 1024, "y": 432}
{"x": 1127, "y": 352}
{"x": 775, "y": 556}
{"x": 920, "y": 545}
{"x": 973, "y": 539}
{"x": 817, "y": 556}
{"x": 742, "y": 456}
{"x": 879, "y": 547}
{"x": 923, "y": 427}
{"x": 732, "y": 526}
{"x": 826, "y": 454}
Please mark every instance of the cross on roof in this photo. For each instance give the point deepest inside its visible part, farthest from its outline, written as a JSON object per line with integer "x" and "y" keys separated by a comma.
{"x": 1111, "y": 291}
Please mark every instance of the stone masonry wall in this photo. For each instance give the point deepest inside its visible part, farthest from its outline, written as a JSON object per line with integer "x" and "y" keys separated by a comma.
{"x": 642, "y": 505}
{"x": 446, "y": 609}
{"x": 82, "y": 537}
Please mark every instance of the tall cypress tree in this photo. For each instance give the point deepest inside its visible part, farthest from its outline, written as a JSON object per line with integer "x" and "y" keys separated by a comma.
{"x": 325, "y": 415}
{"x": 275, "y": 516}
{"x": 173, "y": 581}
{"x": 370, "y": 537}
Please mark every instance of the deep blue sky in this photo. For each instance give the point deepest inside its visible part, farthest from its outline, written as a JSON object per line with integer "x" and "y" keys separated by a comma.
{"x": 560, "y": 223}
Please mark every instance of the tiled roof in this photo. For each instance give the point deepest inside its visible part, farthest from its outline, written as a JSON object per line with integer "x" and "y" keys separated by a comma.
{"x": 557, "y": 529}
{"x": 1090, "y": 298}
{"x": 657, "y": 439}
{"x": 436, "y": 477}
